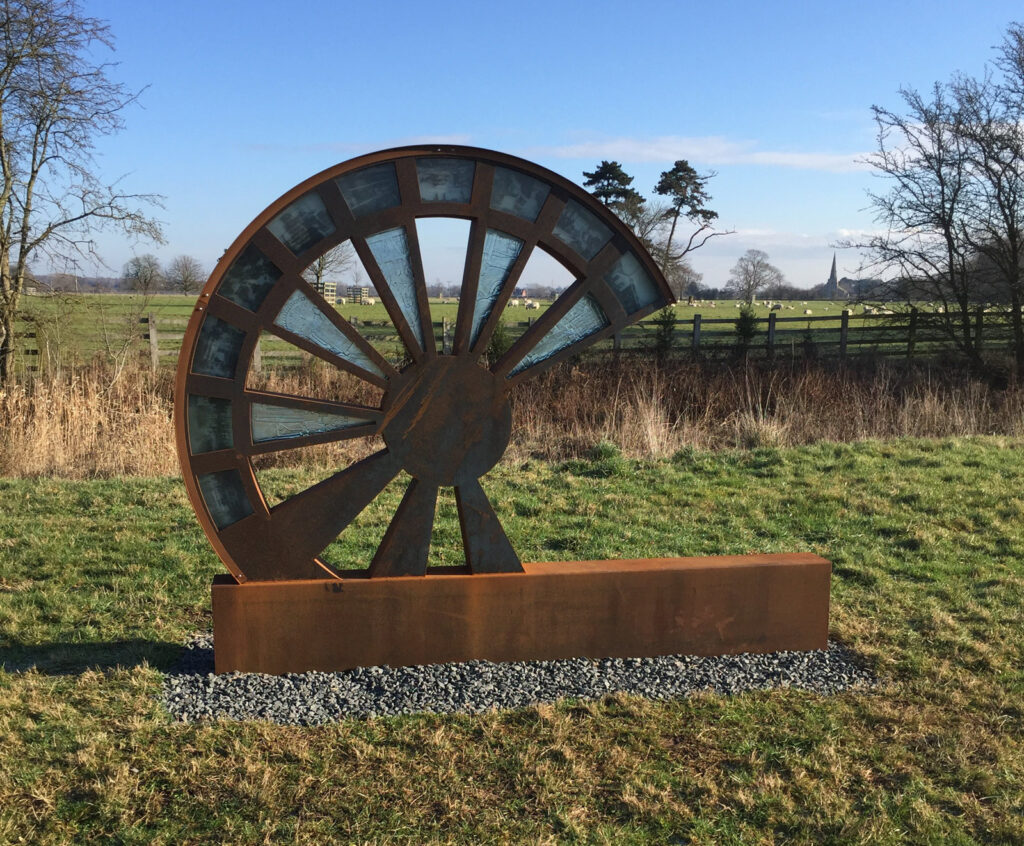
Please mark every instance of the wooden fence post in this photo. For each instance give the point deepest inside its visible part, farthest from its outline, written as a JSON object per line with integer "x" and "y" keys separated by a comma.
{"x": 844, "y": 333}
{"x": 771, "y": 334}
{"x": 154, "y": 343}
{"x": 696, "y": 335}
{"x": 979, "y": 319}
{"x": 912, "y": 333}
{"x": 617, "y": 342}
{"x": 257, "y": 356}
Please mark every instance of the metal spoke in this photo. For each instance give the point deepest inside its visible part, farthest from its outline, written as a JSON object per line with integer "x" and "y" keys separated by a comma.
{"x": 284, "y": 543}
{"x": 406, "y": 544}
{"x": 487, "y": 548}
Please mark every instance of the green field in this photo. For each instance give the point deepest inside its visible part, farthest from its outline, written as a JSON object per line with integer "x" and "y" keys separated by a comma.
{"x": 77, "y": 328}
{"x": 100, "y": 580}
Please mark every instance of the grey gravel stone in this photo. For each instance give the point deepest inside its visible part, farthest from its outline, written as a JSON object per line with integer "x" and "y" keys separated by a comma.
{"x": 193, "y": 692}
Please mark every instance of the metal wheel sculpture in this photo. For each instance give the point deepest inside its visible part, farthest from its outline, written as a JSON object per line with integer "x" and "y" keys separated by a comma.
{"x": 444, "y": 419}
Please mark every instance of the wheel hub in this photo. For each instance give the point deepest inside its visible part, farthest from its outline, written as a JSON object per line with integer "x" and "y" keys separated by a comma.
{"x": 447, "y": 420}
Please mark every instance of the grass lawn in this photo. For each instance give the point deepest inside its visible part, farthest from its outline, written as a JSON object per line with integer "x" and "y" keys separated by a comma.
{"x": 99, "y": 581}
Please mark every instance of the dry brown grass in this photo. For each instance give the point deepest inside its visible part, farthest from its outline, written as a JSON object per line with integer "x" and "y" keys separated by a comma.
{"x": 651, "y": 411}
{"x": 87, "y": 423}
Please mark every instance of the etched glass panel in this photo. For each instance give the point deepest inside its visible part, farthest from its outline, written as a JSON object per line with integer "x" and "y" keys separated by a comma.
{"x": 581, "y": 321}
{"x": 249, "y": 279}
{"x": 500, "y": 253}
{"x": 581, "y": 230}
{"x": 303, "y": 223}
{"x": 517, "y": 193}
{"x": 225, "y": 497}
{"x": 301, "y": 317}
{"x": 209, "y": 424}
{"x": 370, "y": 190}
{"x": 273, "y": 422}
{"x": 217, "y": 349}
{"x": 391, "y": 251}
{"x": 445, "y": 180}
{"x": 632, "y": 284}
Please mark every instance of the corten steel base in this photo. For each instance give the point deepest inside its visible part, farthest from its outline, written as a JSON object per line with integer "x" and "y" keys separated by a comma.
{"x": 662, "y": 606}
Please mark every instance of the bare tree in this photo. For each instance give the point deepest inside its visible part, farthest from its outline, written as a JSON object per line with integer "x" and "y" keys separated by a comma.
{"x": 331, "y": 264}
{"x": 143, "y": 274}
{"x": 752, "y": 273}
{"x": 185, "y": 274}
{"x": 54, "y": 100}
{"x": 924, "y": 157}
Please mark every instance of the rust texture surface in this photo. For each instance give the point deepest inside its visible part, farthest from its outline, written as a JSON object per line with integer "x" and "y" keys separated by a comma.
{"x": 704, "y": 606}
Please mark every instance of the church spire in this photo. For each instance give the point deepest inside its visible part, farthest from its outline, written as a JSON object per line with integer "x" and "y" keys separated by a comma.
{"x": 833, "y": 278}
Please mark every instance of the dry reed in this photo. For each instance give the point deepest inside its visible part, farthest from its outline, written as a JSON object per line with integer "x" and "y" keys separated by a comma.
{"x": 87, "y": 423}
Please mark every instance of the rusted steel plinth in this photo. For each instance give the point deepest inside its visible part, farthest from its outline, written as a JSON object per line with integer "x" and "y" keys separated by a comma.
{"x": 662, "y": 606}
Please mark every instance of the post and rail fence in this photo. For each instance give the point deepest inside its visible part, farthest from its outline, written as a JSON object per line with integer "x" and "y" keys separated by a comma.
{"x": 906, "y": 334}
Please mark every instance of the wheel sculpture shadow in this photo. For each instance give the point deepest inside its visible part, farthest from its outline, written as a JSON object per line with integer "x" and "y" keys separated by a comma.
{"x": 444, "y": 418}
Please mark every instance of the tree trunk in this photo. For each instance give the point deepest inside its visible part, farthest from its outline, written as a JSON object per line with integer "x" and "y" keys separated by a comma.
{"x": 668, "y": 245}
{"x": 1017, "y": 322}
{"x": 6, "y": 348}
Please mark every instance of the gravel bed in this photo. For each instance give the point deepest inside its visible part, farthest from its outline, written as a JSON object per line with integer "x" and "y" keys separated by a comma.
{"x": 193, "y": 692}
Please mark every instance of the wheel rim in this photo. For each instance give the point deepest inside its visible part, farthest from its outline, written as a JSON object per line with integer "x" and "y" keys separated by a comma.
{"x": 444, "y": 418}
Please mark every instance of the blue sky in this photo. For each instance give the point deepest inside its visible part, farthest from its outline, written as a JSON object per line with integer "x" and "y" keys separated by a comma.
{"x": 246, "y": 99}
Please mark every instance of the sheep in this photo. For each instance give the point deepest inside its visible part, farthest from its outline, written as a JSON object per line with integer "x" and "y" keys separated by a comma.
{"x": 808, "y": 311}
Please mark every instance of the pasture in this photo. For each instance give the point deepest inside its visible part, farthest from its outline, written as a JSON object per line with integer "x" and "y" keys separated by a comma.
{"x": 69, "y": 329}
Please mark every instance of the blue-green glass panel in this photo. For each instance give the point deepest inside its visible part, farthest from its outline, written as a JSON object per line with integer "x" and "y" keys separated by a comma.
{"x": 370, "y": 190}
{"x": 274, "y": 422}
{"x": 581, "y": 321}
{"x": 209, "y": 424}
{"x": 516, "y": 193}
{"x": 217, "y": 349}
{"x": 304, "y": 223}
{"x": 632, "y": 284}
{"x": 300, "y": 316}
{"x": 249, "y": 279}
{"x": 390, "y": 249}
{"x": 445, "y": 180}
{"x": 500, "y": 253}
{"x": 581, "y": 230}
{"x": 225, "y": 497}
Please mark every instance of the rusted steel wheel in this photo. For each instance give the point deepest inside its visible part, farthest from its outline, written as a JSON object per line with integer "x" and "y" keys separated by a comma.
{"x": 444, "y": 419}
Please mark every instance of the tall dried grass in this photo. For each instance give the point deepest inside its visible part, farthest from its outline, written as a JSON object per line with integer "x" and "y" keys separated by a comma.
{"x": 87, "y": 423}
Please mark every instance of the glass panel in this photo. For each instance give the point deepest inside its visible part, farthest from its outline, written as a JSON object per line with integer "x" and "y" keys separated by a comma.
{"x": 300, "y": 316}
{"x": 445, "y": 180}
{"x": 249, "y": 279}
{"x": 217, "y": 349}
{"x": 517, "y": 193}
{"x": 370, "y": 190}
{"x": 302, "y": 224}
{"x": 391, "y": 251}
{"x": 225, "y": 497}
{"x": 581, "y": 321}
{"x": 632, "y": 284}
{"x": 581, "y": 230}
{"x": 500, "y": 253}
{"x": 273, "y": 422}
{"x": 209, "y": 424}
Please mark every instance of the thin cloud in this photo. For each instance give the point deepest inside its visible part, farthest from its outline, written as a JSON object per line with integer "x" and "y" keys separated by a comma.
{"x": 712, "y": 150}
